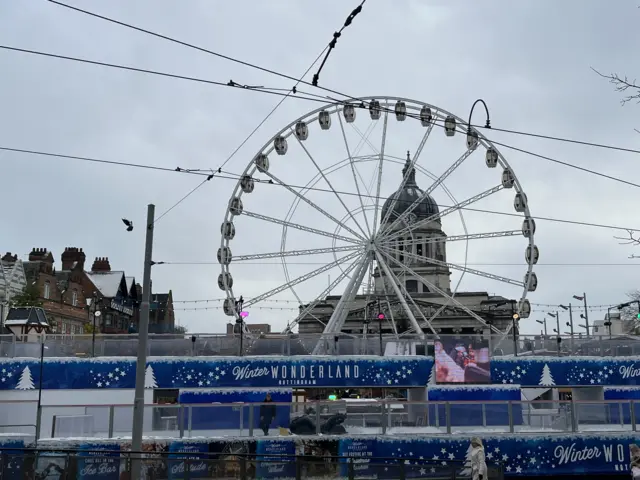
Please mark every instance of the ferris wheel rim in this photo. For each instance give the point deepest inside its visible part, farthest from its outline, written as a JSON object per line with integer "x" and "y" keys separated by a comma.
{"x": 412, "y": 104}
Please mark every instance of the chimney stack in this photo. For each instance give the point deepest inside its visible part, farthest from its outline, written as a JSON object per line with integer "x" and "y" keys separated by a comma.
{"x": 101, "y": 264}
{"x": 72, "y": 257}
{"x": 8, "y": 258}
{"x": 41, "y": 255}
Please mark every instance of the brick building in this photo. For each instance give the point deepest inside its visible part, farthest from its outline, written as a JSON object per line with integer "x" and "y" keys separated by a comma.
{"x": 161, "y": 315}
{"x": 62, "y": 292}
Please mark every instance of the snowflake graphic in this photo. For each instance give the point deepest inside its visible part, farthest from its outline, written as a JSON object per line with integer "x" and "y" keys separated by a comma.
{"x": 111, "y": 378}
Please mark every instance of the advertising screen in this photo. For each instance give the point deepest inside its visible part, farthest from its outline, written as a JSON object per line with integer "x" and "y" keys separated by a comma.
{"x": 463, "y": 359}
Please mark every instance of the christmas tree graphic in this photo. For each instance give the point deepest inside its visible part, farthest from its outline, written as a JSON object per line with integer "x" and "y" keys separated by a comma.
{"x": 466, "y": 471}
{"x": 432, "y": 376}
{"x": 546, "y": 380}
{"x": 25, "y": 382}
{"x": 150, "y": 378}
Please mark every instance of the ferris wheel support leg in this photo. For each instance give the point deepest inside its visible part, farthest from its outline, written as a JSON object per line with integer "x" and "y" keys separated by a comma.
{"x": 398, "y": 293}
{"x": 336, "y": 322}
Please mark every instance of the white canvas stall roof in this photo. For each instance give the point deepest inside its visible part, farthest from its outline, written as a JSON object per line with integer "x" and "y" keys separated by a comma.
{"x": 530, "y": 394}
{"x": 107, "y": 282}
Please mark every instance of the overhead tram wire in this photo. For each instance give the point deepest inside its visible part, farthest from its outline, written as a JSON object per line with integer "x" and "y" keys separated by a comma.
{"x": 299, "y": 95}
{"x": 235, "y": 177}
{"x": 323, "y": 100}
{"x": 242, "y": 144}
{"x": 329, "y": 90}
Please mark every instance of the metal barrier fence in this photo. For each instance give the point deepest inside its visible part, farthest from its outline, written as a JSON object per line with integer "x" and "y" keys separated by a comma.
{"x": 352, "y": 417}
{"x": 295, "y": 344}
{"x": 69, "y": 465}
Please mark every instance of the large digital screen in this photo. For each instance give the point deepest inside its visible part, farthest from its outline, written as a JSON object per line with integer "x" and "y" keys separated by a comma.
{"x": 463, "y": 359}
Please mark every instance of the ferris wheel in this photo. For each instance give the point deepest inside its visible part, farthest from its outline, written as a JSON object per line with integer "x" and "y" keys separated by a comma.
{"x": 340, "y": 185}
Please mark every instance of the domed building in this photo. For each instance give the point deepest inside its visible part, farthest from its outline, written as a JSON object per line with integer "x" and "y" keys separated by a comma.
{"x": 422, "y": 248}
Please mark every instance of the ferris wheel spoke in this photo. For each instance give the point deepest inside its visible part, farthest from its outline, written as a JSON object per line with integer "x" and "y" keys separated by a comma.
{"x": 301, "y": 279}
{"x": 353, "y": 171}
{"x": 380, "y": 163}
{"x": 312, "y": 204}
{"x": 403, "y": 217}
{"x": 406, "y": 295}
{"x": 443, "y": 213}
{"x": 388, "y": 242}
{"x": 295, "y": 253}
{"x": 297, "y": 226}
{"x": 340, "y": 312}
{"x": 433, "y": 261}
{"x": 308, "y": 309}
{"x": 396, "y": 284}
{"x": 436, "y": 289}
{"x": 329, "y": 184}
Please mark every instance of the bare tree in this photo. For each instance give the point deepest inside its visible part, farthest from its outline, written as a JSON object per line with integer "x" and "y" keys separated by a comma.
{"x": 630, "y": 314}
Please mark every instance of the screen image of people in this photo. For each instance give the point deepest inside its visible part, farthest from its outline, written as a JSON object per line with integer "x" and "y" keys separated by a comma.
{"x": 462, "y": 360}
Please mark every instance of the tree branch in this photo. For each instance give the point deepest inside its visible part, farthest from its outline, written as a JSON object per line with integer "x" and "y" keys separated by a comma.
{"x": 623, "y": 85}
{"x": 630, "y": 240}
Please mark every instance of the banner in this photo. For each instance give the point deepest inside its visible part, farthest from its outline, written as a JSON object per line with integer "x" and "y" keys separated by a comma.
{"x": 98, "y": 462}
{"x": 275, "y": 459}
{"x": 470, "y": 365}
{"x": 184, "y": 456}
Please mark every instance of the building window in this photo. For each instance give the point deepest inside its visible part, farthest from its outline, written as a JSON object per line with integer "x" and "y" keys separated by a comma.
{"x": 412, "y": 286}
{"x": 74, "y": 297}
{"x": 419, "y": 248}
{"x": 47, "y": 290}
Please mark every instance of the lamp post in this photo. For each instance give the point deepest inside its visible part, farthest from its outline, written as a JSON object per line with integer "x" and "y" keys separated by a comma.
{"x": 380, "y": 319}
{"x": 607, "y": 323}
{"x": 143, "y": 338}
{"x": 514, "y": 318}
{"x": 583, "y": 298}
{"x": 543, "y": 322}
{"x": 39, "y": 405}
{"x": 240, "y": 316}
{"x": 557, "y": 329}
{"x": 569, "y": 323}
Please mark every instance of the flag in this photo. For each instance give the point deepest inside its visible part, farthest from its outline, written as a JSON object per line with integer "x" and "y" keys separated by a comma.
{"x": 578, "y": 297}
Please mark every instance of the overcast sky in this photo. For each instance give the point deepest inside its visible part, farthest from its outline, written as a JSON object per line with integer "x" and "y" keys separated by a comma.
{"x": 529, "y": 60}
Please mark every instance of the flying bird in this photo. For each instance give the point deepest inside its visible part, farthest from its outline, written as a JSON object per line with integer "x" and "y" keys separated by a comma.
{"x": 128, "y": 223}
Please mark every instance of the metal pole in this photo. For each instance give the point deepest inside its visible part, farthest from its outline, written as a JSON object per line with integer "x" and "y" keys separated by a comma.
{"x": 93, "y": 330}
{"x": 515, "y": 339}
{"x": 380, "y": 330}
{"x": 143, "y": 336}
{"x": 39, "y": 406}
{"x": 571, "y": 319}
{"x": 586, "y": 313}
{"x": 559, "y": 339}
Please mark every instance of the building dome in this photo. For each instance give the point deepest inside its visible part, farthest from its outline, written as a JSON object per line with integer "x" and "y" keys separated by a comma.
{"x": 405, "y": 197}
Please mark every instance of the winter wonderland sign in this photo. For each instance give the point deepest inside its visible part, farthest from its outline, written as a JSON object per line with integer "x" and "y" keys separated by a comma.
{"x": 218, "y": 372}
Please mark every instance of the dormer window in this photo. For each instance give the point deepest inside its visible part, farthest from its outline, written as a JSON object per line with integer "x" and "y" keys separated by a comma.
{"x": 47, "y": 290}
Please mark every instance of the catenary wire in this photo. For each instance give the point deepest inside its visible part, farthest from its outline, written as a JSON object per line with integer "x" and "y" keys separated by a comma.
{"x": 329, "y": 90}
{"x": 235, "y": 177}
{"x": 247, "y": 138}
{"x": 307, "y": 96}
{"x": 325, "y": 100}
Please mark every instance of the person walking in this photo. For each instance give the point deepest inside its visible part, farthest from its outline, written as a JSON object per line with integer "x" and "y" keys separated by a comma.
{"x": 478, "y": 462}
{"x": 267, "y": 414}
{"x": 635, "y": 461}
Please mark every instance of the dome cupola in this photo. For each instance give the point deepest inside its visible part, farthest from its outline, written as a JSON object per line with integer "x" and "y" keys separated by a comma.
{"x": 404, "y": 197}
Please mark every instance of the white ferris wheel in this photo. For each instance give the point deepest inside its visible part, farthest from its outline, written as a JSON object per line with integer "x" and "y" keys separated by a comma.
{"x": 317, "y": 190}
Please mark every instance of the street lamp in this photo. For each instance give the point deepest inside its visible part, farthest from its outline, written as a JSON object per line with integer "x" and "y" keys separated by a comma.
{"x": 240, "y": 316}
{"x": 514, "y": 318}
{"x": 380, "y": 319}
{"x": 543, "y": 322}
{"x": 557, "y": 329}
{"x": 570, "y": 322}
{"x": 583, "y": 298}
